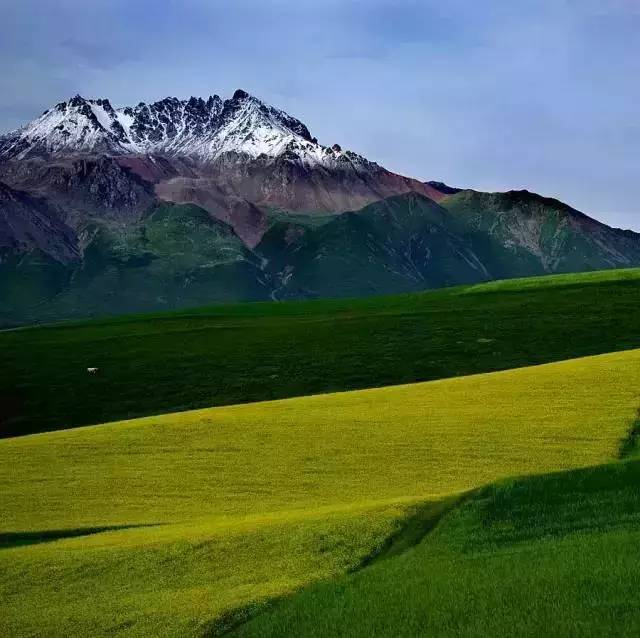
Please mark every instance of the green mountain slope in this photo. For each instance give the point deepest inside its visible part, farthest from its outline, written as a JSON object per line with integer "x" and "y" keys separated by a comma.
{"x": 401, "y": 244}
{"x": 251, "y": 352}
{"x": 541, "y": 234}
{"x": 410, "y": 243}
{"x": 174, "y": 256}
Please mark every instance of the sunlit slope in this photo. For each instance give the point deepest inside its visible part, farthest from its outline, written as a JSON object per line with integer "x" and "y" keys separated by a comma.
{"x": 244, "y": 503}
{"x": 415, "y": 440}
{"x": 188, "y": 579}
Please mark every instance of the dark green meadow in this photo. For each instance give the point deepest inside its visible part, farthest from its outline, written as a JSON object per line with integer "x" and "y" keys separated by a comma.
{"x": 551, "y": 555}
{"x": 151, "y": 364}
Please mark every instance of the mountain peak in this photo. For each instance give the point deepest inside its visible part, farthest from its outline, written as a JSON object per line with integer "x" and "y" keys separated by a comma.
{"x": 77, "y": 100}
{"x": 240, "y": 94}
{"x": 204, "y": 130}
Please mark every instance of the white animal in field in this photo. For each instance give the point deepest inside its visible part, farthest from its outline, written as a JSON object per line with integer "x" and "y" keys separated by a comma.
{"x": 92, "y": 370}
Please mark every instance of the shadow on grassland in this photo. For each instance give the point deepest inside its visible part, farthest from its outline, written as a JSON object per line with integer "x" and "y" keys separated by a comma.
{"x": 18, "y": 539}
{"x": 420, "y": 520}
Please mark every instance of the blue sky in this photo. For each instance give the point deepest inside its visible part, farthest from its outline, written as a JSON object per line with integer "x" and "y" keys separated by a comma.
{"x": 488, "y": 94}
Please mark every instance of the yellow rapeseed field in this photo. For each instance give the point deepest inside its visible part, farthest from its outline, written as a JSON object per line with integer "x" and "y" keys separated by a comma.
{"x": 223, "y": 508}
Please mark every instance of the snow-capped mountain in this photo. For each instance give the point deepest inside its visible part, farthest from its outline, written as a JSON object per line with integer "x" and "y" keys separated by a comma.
{"x": 186, "y": 202}
{"x": 234, "y": 158}
{"x": 204, "y": 130}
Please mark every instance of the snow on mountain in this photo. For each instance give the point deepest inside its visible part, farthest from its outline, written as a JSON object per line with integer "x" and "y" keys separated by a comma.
{"x": 204, "y": 130}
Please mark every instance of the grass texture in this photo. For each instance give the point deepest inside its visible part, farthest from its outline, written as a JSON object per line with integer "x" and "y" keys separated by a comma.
{"x": 153, "y": 364}
{"x": 552, "y": 555}
{"x": 223, "y": 509}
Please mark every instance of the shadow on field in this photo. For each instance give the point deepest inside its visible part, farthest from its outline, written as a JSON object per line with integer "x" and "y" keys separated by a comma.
{"x": 556, "y": 491}
{"x": 17, "y": 539}
{"x": 420, "y": 521}
{"x": 630, "y": 445}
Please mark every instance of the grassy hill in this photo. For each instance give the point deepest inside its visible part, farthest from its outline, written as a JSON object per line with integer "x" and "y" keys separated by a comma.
{"x": 151, "y": 364}
{"x": 400, "y": 244}
{"x": 408, "y": 243}
{"x": 538, "y": 234}
{"x": 182, "y": 524}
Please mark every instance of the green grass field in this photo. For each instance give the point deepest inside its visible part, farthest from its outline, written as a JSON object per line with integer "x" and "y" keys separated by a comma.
{"x": 153, "y": 364}
{"x": 553, "y": 555}
{"x": 223, "y": 509}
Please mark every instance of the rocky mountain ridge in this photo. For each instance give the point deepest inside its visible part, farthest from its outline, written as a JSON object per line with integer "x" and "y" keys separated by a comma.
{"x": 203, "y": 130}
